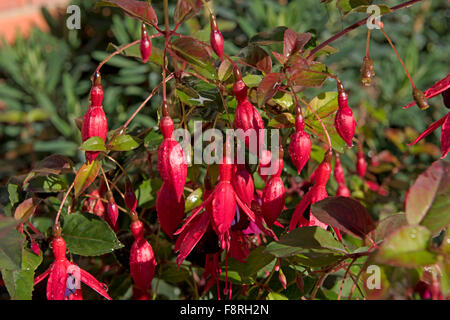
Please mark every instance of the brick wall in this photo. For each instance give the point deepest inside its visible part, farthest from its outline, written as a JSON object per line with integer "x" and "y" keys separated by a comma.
{"x": 21, "y": 15}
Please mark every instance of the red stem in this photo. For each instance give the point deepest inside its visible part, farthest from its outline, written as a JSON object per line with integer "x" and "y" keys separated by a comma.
{"x": 354, "y": 26}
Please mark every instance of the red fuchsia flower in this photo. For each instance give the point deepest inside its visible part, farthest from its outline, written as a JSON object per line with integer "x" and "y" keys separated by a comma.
{"x": 246, "y": 116}
{"x": 146, "y": 45}
{"x": 273, "y": 195}
{"x": 169, "y": 208}
{"x": 64, "y": 276}
{"x": 216, "y": 38}
{"x": 142, "y": 260}
{"x": 442, "y": 86}
{"x": 302, "y": 216}
{"x": 112, "y": 212}
{"x": 300, "y": 145}
{"x": 242, "y": 182}
{"x": 342, "y": 190}
{"x": 35, "y": 248}
{"x": 171, "y": 161}
{"x": 130, "y": 197}
{"x": 264, "y": 162}
{"x": 94, "y": 121}
{"x": 361, "y": 164}
{"x": 221, "y": 205}
{"x": 344, "y": 121}
{"x": 212, "y": 272}
{"x": 93, "y": 204}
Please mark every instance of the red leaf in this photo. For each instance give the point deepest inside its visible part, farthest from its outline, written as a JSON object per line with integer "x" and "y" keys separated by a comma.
{"x": 268, "y": 87}
{"x": 137, "y": 9}
{"x": 293, "y": 42}
{"x": 345, "y": 214}
{"x": 257, "y": 57}
{"x": 434, "y": 90}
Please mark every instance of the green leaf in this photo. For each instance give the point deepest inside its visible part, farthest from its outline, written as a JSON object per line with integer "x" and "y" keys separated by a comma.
{"x": 11, "y": 244}
{"x": 88, "y": 235}
{"x": 93, "y": 144}
{"x": 345, "y": 214}
{"x": 124, "y": 142}
{"x": 26, "y": 209}
{"x": 302, "y": 240}
{"x": 47, "y": 183}
{"x": 276, "y": 296}
{"x": 13, "y": 191}
{"x": 345, "y": 6}
{"x": 252, "y": 80}
{"x": 282, "y": 120}
{"x": 305, "y": 76}
{"x": 407, "y": 247}
{"x": 193, "y": 200}
{"x": 388, "y": 225}
{"x": 256, "y": 260}
{"x": 85, "y": 176}
{"x": 152, "y": 140}
{"x": 428, "y": 200}
{"x": 20, "y": 283}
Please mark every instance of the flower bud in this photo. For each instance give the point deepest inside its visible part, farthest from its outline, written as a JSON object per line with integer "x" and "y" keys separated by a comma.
{"x": 216, "y": 38}
{"x": 420, "y": 99}
{"x": 145, "y": 45}
{"x": 300, "y": 145}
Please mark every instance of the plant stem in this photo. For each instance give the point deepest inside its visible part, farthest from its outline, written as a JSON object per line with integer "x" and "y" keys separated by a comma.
{"x": 354, "y": 26}
{"x": 62, "y": 202}
{"x": 168, "y": 78}
{"x": 367, "y": 42}
{"x": 399, "y": 58}
{"x": 320, "y": 121}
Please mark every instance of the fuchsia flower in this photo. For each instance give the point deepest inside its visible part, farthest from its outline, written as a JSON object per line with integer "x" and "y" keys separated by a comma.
{"x": 344, "y": 121}
{"x": 273, "y": 195}
{"x": 339, "y": 177}
{"x": 171, "y": 161}
{"x": 246, "y": 116}
{"x": 442, "y": 86}
{"x": 145, "y": 46}
{"x": 302, "y": 216}
{"x": 221, "y": 207}
{"x": 95, "y": 123}
{"x": 142, "y": 261}
{"x": 300, "y": 146}
{"x": 64, "y": 276}
{"x": 216, "y": 38}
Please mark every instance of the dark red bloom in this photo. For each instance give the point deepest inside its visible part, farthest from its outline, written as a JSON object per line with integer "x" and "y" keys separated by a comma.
{"x": 142, "y": 259}
{"x": 273, "y": 196}
{"x": 344, "y": 121}
{"x": 94, "y": 204}
{"x": 64, "y": 276}
{"x": 95, "y": 123}
{"x": 247, "y": 118}
{"x": 300, "y": 145}
{"x": 242, "y": 182}
{"x": 112, "y": 212}
{"x": 361, "y": 164}
{"x": 302, "y": 215}
{"x": 146, "y": 45}
{"x": 129, "y": 196}
{"x": 169, "y": 208}
{"x": 171, "y": 161}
